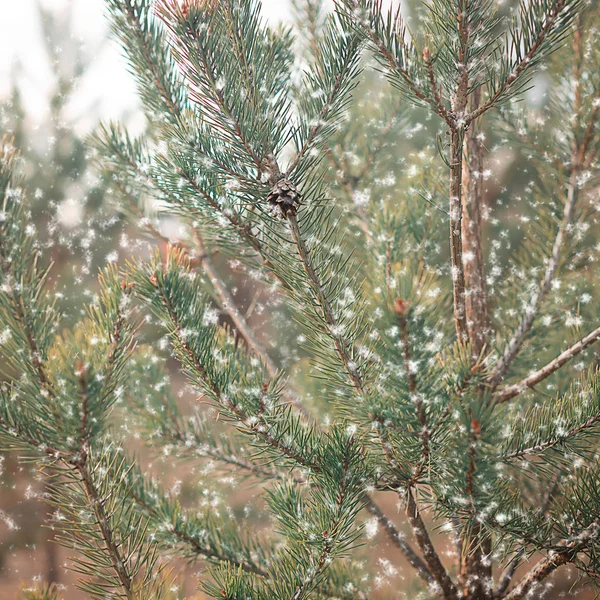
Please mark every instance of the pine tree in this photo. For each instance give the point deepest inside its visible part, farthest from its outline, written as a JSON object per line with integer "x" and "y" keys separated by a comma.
{"x": 452, "y": 369}
{"x": 65, "y": 203}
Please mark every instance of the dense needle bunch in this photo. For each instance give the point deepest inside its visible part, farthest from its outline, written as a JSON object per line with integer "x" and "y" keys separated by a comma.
{"x": 450, "y": 342}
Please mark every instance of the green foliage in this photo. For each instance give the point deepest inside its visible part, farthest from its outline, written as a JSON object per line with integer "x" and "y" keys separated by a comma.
{"x": 411, "y": 371}
{"x": 40, "y": 592}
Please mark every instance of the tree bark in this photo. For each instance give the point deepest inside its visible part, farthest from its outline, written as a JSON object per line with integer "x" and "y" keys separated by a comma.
{"x": 472, "y": 215}
{"x": 458, "y": 275}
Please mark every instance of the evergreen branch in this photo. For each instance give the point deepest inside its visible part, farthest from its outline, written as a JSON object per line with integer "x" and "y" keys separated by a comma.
{"x": 440, "y": 109}
{"x": 15, "y": 436}
{"x": 228, "y": 304}
{"x": 309, "y": 18}
{"x": 388, "y": 38}
{"x": 387, "y": 525}
{"x": 565, "y": 552}
{"x": 509, "y": 573}
{"x": 98, "y": 521}
{"x": 509, "y": 392}
{"x": 402, "y": 545}
{"x": 133, "y": 157}
{"x": 428, "y": 549}
{"x": 333, "y": 76}
{"x": 186, "y": 442}
{"x": 24, "y": 308}
{"x": 321, "y": 526}
{"x": 557, "y": 423}
{"x": 244, "y": 230}
{"x": 178, "y": 306}
{"x": 204, "y": 44}
{"x": 117, "y": 559}
{"x": 206, "y": 536}
{"x": 193, "y": 436}
{"x": 562, "y": 439}
{"x": 552, "y": 21}
{"x": 145, "y": 45}
{"x": 542, "y": 570}
{"x": 341, "y": 343}
{"x": 515, "y": 343}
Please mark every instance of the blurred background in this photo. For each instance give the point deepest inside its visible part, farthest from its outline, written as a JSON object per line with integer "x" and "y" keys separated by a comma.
{"x": 60, "y": 75}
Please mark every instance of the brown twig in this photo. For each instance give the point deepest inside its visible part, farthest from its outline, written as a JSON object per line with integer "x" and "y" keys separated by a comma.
{"x": 456, "y": 255}
{"x": 399, "y": 540}
{"x": 118, "y": 561}
{"x": 511, "y": 391}
{"x": 429, "y": 552}
{"x": 342, "y": 345}
{"x": 518, "y": 338}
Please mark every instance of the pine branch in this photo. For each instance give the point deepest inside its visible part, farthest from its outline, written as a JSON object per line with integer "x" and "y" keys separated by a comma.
{"x": 388, "y": 36}
{"x": 333, "y": 76}
{"x": 117, "y": 559}
{"x": 211, "y": 538}
{"x": 566, "y": 437}
{"x": 228, "y": 304}
{"x": 158, "y": 81}
{"x": 194, "y": 436}
{"x": 429, "y": 552}
{"x": 517, "y": 340}
{"x": 310, "y": 19}
{"x": 542, "y": 33}
{"x": 509, "y": 392}
{"x": 509, "y": 573}
{"x": 542, "y": 570}
{"x": 178, "y": 305}
{"x": 566, "y": 552}
{"x": 402, "y": 545}
{"x": 320, "y": 527}
{"x": 342, "y": 345}
{"x": 27, "y": 313}
{"x": 565, "y": 424}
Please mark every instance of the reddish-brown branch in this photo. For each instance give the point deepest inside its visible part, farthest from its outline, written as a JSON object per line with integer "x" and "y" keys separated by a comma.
{"x": 565, "y": 552}
{"x": 399, "y": 541}
{"x": 440, "y": 109}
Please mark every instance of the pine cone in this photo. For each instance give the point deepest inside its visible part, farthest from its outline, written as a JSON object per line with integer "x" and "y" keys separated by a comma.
{"x": 285, "y": 196}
